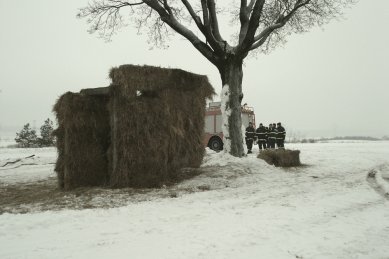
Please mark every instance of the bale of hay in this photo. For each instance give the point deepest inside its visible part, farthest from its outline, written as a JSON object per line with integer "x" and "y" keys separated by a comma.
{"x": 138, "y": 132}
{"x": 82, "y": 140}
{"x": 281, "y": 157}
{"x": 157, "y": 124}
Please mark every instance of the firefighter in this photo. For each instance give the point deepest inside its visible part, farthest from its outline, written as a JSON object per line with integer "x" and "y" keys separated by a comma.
{"x": 268, "y": 129}
{"x": 272, "y": 135}
{"x": 275, "y": 134}
{"x": 261, "y": 136}
{"x": 250, "y": 134}
{"x": 281, "y": 133}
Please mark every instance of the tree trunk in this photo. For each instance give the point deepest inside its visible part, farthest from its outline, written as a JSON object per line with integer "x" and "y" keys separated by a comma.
{"x": 232, "y": 74}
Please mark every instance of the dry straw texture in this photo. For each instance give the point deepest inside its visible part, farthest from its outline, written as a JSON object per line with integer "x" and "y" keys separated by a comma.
{"x": 281, "y": 157}
{"x": 139, "y": 133}
{"x": 82, "y": 140}
{"x": 157, "y": 124}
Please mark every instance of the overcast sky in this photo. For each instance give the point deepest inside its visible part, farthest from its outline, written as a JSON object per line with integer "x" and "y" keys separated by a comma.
{"x": 330, "y": 81}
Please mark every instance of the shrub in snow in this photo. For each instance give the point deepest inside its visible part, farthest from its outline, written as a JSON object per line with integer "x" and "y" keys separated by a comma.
{"x": 26, "y": 137}
{"x": 47, "y": 137}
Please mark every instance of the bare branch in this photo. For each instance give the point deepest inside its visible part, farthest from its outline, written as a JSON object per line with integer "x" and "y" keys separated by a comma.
{"x": 280, "y": 18}
{"x": 167, "y": 7}
{"x": 263, "y": 23}
{"x": 208, "y": 30}
{"x": 205, "y": 12}
{"x": 244, "y": 20}
{"x": 253, "y": 24}
{"x": 214, "y": 22}
{"x": 169, "y": 18}
{"x": 244, "y": 17}
{"x": 193, "y": 14}
{"x": 105, "y": 16}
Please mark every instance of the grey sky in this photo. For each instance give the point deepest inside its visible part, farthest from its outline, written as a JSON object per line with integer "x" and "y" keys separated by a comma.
{"x": 330, "y": 81}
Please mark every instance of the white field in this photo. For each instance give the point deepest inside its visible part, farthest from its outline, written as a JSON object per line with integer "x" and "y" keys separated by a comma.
{"x": 6, "y": 141}
{"x": 328, "y": 209}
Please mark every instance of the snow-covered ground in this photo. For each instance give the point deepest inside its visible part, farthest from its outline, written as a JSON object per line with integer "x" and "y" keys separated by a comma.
{"x": 336, "y": 206}
{"x": 6, "y": 141}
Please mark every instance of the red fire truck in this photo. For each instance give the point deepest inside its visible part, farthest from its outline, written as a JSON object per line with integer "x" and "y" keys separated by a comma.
{"x": 213, "y": 137}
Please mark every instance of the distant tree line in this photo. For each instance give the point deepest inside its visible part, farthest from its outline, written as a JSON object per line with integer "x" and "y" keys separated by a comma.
{"x": 352, "y": 138}
{"x": 314, "y": 140}
{"x": 28, "y": 137}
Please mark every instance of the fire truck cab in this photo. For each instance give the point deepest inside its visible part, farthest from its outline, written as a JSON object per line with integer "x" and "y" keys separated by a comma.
{"x": 213, "y": 137}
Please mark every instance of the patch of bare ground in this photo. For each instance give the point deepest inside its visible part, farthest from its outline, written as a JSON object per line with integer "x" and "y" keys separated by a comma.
{"x": 45, "y": 195}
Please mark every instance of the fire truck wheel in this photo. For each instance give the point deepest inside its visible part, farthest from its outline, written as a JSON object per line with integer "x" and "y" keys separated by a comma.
{"x": 215, "y": 144}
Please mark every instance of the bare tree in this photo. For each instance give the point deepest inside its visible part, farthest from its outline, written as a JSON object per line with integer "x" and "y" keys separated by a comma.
{"x": 264, "y": 24}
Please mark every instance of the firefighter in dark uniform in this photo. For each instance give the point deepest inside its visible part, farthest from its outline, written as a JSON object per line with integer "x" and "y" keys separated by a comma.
{"x": 272, "y": 135}
{"x": 268, "y": 144}
{"x": 261, "y": 136}
{"x": 281, "y": 133}
{"x": 250, "y": 134}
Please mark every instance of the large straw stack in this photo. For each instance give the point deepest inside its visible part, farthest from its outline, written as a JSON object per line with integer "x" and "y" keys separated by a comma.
{"x": 157, "y": 121}
{"x": 139, "y": 132}
{"x": 82, "y": 140}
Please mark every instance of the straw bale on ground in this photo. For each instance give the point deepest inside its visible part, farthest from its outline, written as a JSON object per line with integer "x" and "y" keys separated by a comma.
{"x": 281, "y": 157}
{"x": 157, "y": 121}
{"x": 82, "y": 140}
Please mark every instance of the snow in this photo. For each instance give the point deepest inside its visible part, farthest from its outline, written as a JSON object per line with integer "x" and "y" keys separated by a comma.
{"x": 29, "y": 168}
{"x": 226, "y": 113}
{"x": 6, "y": 141}
{"x": 329, "y": 208}
{"x": 244, "y": 139}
